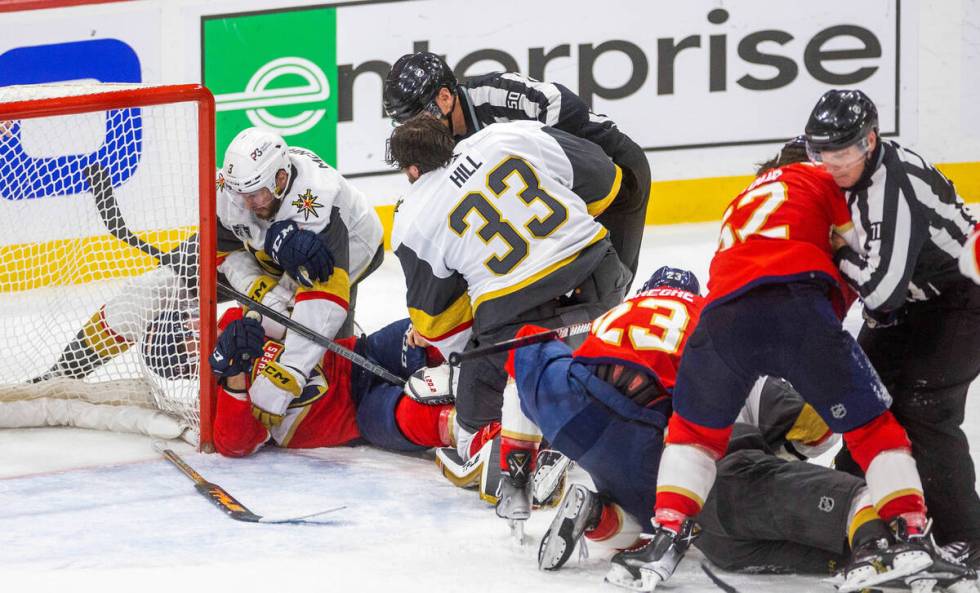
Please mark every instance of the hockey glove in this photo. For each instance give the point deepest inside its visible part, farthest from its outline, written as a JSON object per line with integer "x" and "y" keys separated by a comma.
{"x": 299, "y": 252}
{"x": 881, "y": 319}
{"x": 275, "y": 388}
{"x": 433, "y": 386}
{"x": 239, "y": 345}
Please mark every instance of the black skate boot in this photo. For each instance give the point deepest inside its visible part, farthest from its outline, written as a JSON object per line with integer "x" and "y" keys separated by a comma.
{"x": 967, "y": 553}
{"x": 514, "y": 493}
{"x": 580, "y": 511}
{"x": 642, "y": 569}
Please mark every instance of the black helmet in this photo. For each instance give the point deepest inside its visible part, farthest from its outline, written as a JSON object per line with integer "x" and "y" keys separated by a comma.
{"x": 675, "y": 278}
{"x": 413, "y": 83}
{"x": 840, "y": 119}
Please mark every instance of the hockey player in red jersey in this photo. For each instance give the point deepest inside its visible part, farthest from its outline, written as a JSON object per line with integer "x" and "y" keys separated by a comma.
{"x": 339, "y": 404}
{"x": 606, "y": 405}
{"x": 774, "y": 307}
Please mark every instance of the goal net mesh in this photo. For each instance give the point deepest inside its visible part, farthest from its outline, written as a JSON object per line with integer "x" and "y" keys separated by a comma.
{"x": 86, "y": 317}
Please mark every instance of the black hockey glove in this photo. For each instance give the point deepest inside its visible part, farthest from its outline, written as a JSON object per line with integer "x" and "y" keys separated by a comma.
{"x": 239, "y": 345}
{"x": 299, "y": 252}
{"x": 882, "y": 319}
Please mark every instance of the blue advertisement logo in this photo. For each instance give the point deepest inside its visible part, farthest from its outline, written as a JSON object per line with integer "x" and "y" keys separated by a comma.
{"x": 105, "y": 60}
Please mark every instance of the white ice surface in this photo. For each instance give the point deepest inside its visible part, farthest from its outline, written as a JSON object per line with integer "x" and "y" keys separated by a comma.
{"x": 91, "y": 511}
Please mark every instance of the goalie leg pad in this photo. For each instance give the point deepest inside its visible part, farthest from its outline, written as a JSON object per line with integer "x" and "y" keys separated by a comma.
{"x": 481, "y": 470}
{"x": 378, "y": 421}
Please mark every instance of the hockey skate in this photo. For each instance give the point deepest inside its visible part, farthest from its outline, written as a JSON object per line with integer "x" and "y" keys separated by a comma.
{"x": 642, "y": 569}
{"x": 947, "y": 571}
{"x": 879, "y": 560}
{"x": 580, "y": 511}
{"x": 514, "y": 494}
{"x": 967, "y": 553}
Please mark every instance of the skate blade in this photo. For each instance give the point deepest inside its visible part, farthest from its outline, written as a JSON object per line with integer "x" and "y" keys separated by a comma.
{"x": 964, "y": 586}
{"x": 551, "y": 556}
{"x": 909, "y": 567}
{"x": 517, "y": 532}
{"x": 621, "y": 577}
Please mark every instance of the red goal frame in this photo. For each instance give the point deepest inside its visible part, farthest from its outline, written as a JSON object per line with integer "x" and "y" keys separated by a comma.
{"x": 159, "y": 95}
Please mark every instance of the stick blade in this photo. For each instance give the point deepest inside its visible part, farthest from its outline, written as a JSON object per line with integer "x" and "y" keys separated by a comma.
{"x": 300, "y": 518}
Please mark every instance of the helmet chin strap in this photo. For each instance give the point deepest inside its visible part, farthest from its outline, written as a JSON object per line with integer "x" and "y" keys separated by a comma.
{"x": 448, "y": 117}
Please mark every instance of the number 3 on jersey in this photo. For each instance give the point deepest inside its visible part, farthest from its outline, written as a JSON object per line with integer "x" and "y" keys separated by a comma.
{"x": 669, "y": 316}
{"x": 750, "y": 214}
{"x": 495, "y": 225}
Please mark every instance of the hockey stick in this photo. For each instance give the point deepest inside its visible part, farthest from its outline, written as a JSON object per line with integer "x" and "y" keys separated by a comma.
{"x": 310, "y": 335}
{"x": 716, "y": 580}
{"x": 225, "y": 501}
{"x": 559, "y": 333}
{"x": 105, "y": 202}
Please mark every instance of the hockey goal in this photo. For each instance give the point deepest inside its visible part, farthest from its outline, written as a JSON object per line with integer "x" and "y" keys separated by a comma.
{"x": 107, "y": 249}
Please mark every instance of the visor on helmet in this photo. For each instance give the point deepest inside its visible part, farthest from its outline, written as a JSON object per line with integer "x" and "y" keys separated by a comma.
{"x": 838, "y": 156}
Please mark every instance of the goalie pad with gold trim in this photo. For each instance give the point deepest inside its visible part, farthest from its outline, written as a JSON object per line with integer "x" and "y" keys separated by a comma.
{"x": 481, "y": 471}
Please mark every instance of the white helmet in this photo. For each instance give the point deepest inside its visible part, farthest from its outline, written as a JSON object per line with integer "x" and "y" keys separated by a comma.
{"x": 252, "y": 160}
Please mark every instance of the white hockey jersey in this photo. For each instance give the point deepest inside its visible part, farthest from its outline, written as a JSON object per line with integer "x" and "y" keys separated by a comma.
{"x": 506, "y": 226}
{"x": 318, "y": 199}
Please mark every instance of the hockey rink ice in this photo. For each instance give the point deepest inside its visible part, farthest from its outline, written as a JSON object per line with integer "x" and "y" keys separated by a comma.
{"x": 92, "y": 511}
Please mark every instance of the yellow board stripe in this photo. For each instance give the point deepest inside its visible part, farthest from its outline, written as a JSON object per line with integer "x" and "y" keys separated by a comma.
{"x": 705, "y": 199}
{"x": 599, "y": 206}
{"x": 494, "y": 294}
{"x": 78, "y": 261}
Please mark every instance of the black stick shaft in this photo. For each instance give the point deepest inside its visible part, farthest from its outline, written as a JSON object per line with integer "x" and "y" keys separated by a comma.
{"x": 310, "y": 335}
{"x": 556, "y": 334}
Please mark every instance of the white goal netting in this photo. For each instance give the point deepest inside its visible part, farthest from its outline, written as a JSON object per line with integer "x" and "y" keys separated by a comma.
{"x": 94, "y": 330}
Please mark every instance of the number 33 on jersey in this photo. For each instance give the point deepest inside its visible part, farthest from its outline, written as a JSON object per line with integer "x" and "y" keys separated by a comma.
{"x": 507, "y": 225}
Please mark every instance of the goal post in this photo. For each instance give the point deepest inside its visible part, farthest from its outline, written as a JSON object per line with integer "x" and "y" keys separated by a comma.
{"x": 113, "y": 324}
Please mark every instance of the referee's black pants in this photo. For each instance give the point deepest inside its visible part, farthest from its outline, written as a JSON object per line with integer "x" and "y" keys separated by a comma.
{"x": 927, "y": 362}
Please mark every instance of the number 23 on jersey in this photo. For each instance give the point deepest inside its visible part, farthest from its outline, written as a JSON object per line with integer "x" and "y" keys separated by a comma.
{"x": 649, "y": 323}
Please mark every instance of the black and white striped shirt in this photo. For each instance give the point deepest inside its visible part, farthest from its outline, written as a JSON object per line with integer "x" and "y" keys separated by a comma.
{"x": 911, "y": 225}
{"x": 509, "y": 96}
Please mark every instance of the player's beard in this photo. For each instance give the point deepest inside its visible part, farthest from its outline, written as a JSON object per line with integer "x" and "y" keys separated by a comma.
{"x": 268, "y": 212}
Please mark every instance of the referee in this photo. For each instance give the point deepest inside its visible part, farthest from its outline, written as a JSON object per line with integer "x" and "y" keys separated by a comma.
{"x": 922, "y": 315}
{"x": 424, "y": 82}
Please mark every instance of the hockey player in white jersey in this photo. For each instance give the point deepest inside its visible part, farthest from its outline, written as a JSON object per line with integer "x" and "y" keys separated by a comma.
{"x": 495, "y": 232}
{"x": 296, "y": 235}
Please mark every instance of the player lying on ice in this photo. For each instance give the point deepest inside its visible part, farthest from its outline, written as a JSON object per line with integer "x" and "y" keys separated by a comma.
{"x": 337, "y": 404}
{"x": 606, "y": 405}
{"x": 774, "y": 307}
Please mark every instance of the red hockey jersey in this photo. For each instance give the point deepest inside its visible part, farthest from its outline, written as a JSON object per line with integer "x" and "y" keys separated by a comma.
{"x": 323, "y": 416}
{"x": 778, "y": 230}
{"x": 647, "y": 331}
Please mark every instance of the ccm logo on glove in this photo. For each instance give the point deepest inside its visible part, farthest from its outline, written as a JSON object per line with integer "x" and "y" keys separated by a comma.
{"x": 299, "y": 252}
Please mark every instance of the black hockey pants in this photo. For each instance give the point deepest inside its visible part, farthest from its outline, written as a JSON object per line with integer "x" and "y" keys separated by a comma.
{"x": 626, "y": 216}
{"x": 766, "y": 514}
{"x": 479, "y": 395}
